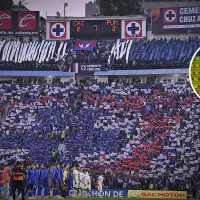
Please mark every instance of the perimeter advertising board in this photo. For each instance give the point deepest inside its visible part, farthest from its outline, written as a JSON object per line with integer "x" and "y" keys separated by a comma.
{"x": 106, "y": 193}
{"x": 157, "y": 194}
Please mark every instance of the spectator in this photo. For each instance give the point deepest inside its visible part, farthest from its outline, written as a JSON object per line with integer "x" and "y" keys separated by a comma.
{"x": 6, "y": 182}
{"x": 144, "y": 54}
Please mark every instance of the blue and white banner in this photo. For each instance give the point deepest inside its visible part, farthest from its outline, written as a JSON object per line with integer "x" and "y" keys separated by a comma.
{"x": 120, "y": 50}
{"x": 16, "y": 51}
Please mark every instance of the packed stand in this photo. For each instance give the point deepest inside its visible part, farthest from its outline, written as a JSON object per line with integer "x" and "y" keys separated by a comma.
{"x": 155, "y": 129}
{"x": 22, "y": 127}
{"x": 155, "y": 53}
{"x": 57, "y": 55}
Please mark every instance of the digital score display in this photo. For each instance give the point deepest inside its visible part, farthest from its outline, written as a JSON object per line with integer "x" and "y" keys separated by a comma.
{"x": 95, "y": 29}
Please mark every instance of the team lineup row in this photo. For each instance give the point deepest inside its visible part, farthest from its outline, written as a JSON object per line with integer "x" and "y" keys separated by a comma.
{"x": 32, "y": 180}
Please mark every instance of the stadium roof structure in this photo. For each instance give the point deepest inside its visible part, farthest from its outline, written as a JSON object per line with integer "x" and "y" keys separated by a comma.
{"x": 36, "y": 73}
{"x": 141, "y": 72}
{"x": 96, "y": 17}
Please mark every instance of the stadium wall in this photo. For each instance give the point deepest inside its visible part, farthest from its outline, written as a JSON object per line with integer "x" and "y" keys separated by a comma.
{"x": 86, "y": 77}
{"x": 174, "y": 77}
{"x": 101, "y": 78}
{"x": 159, "y": 78}
{"x": 104, "y": 78}
{"x": 4, "y": 79}
{"x": 66, "y": 79}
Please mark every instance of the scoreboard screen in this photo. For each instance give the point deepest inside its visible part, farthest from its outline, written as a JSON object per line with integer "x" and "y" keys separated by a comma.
{"x": 95, "y": 28}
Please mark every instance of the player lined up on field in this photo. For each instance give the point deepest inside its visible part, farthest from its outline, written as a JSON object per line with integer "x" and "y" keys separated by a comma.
{"x": 70, "y": 180}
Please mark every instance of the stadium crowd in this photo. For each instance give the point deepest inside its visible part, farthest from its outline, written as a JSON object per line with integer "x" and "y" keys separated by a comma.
{"x": 144, "y": 54}
{"x": 143, "y": 136}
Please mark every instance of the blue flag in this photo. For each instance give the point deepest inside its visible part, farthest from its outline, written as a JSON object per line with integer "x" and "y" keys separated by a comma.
{"x": 81, "y": 45}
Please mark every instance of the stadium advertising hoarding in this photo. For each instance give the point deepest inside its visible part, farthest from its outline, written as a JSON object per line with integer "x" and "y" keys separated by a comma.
{"x": 109, "y": 193}
{"x": 103, "y": 28}
{"x": 106, "y": 193}
{"x": 87, "y": 68}
{"x": 19, "y": 22}
{"x": 157, "y": 194}
{"x": 176, "y": 20}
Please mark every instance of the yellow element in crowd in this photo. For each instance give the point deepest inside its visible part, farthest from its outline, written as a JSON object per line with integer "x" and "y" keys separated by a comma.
{"x": 63, "y": 135}
{"x": 151, "y": 186}
{"x": 195, "y": 73}
{"x": 182, "y": 157}
{"x": 153, "y": 194}
{"x": 65, "y": 174}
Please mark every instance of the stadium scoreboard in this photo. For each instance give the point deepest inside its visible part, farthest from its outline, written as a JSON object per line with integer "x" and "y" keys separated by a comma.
{"x": 108, "y": 28}
{"x": 105, "y": 27}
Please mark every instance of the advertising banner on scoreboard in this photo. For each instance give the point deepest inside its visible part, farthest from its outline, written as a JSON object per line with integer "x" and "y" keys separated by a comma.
{"x": 157, "y": 194}
{"x": 19, "y": 22}
{"x": 176, "y": 20}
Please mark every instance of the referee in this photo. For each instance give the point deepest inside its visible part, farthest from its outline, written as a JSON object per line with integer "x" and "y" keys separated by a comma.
{"x": 18, "y": 179}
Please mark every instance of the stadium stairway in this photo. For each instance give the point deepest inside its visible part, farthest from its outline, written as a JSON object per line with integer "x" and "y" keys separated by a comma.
{"x": 61, "y": 147}
{"x": 3, "y": 118}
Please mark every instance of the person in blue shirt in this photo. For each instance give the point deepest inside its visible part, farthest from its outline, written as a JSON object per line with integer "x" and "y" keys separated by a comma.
{"x": 69, "y": 181}
{"x": 41, "y": 173}
{"x": 61, "y": 175}
{"x": 56, "y": 179}
{"x": 36, "y": 172}
{"x": 31, "y": 180}
{"x": 46, "y": 181}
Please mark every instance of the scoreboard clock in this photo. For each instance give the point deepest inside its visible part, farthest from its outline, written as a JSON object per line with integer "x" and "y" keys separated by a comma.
{"x": 110, "y": 28}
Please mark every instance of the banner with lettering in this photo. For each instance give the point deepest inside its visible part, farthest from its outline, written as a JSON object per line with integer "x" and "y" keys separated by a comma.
{"x": 19, "y": 22}
{"x": 157, "y": 194}
{"x": 176, "y": 20}
{"x": 109, "y": 193}
{"x": 82, "y": 68}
